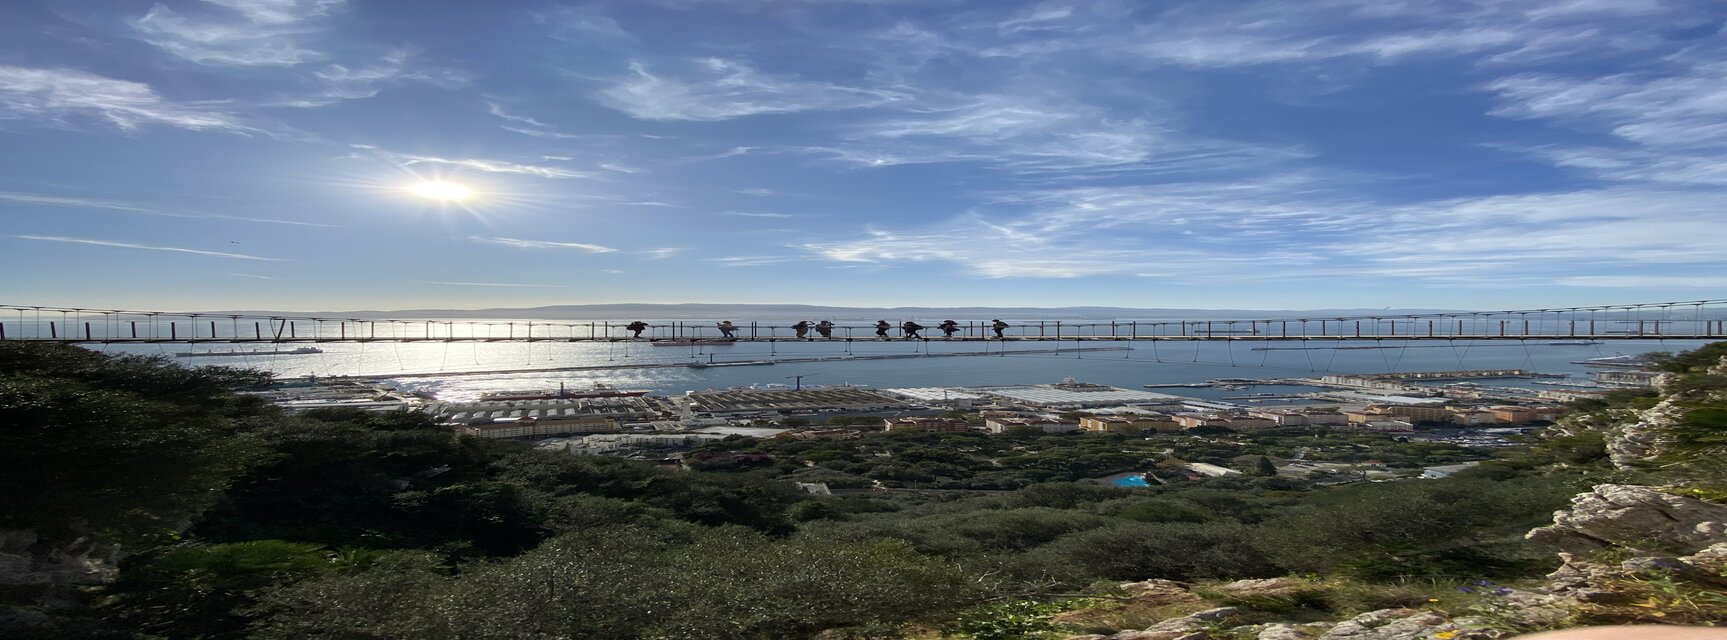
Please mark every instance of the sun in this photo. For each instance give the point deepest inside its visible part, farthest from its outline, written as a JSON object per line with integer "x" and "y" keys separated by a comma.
{"x": 440, "y": 190}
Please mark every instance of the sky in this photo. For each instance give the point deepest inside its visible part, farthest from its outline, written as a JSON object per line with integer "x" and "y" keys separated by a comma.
{"x": 390, "y": 154}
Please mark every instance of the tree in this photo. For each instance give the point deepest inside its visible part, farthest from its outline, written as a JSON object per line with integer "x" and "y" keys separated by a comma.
{"x": 1265, "y": 468}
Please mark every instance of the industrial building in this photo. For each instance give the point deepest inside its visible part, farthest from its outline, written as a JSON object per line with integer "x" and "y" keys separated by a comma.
{"x": 749, "y": 401}
{"x": 549, "y": 409}
{"x": 936, "y": 396}
{"x": 1074, "y": 395}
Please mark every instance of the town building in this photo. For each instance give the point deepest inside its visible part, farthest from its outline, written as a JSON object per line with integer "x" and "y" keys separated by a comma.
{"x": 1029, "y": 423}
{"x": 1211, "y": 470}
{"x": 1569, "y": 395}
{"x": 1298, "y": 417}
{"x": 1473, "y": 417}
{"x": 1524, "y": 414}
{"x": 1626, "y": 378}
{"x": 1127, "y": 424}
{"x": 920, "y": 423}
{"x": 1414, "y": 413}
{"x": 1230, "y": 421}
{"x": 1387, "y": 426}
{"x": 528, "y": 427}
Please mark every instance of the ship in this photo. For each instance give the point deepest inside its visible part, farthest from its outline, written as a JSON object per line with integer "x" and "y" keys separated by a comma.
{"x": 596, "y": 391}
{"x": 696, "y": 342}
{"x": 1621, "y": 360}
{"x": 254, "y": 352}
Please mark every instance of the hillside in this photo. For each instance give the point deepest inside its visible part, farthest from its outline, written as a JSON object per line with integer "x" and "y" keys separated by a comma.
{"x": 152, "y": 501}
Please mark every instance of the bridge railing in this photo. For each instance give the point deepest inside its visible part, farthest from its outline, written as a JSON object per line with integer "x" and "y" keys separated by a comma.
{"x": 1663, "y": 320}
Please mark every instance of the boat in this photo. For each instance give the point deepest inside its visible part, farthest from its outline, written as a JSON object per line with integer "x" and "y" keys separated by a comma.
{"x": 596, "y": 391}
{"x": 253, "y": 352}
{"x": 1621, "y": 360}
{"x": 696, "y": 342}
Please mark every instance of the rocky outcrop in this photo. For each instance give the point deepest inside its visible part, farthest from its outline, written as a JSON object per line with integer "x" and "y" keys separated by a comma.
{"x": 1647, "y": 436}
{"x": 1392, "y": 624}
{"x": 1193, "y": 626}
{"x": 25, "y": 562}
{"x": 1635, "y": 517}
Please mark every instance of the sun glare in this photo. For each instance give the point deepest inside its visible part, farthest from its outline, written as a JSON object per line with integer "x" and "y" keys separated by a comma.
{"x": 437, "y": 190}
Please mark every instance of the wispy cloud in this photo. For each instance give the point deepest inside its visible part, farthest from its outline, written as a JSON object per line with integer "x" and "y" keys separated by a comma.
{"x": 67, "y": 96}
{"x": 1670, "y": 124}
{"x": 752, "y": 261}
{"x": 85, "y": 203}
{"x": 478, "y": 164}
{"x": 517, "y": 123}
{"x": 255, "y": 276}
{"x": 1044, "y": 133}
{"x": 239, "y": 32}
{"x": 129, "y": 245}
{"x": 1298, "y": 228}
{"x": 587, "y": 24}
{"x": 497, "y": 284}
{"x": 341, "y": 82}
{"x": 661, "y": 253}
{"x": 758, "y": 191}
{"x": 37, "y": 199}
{"x": 1645, "y": 282}
{"x": 753, "y": 214}
{"x": 719, "y": 89}
{"x": 541, "y": 244}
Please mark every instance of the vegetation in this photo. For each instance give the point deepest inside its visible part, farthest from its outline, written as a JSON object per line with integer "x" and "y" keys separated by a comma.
{"x": 233, "y": 519}
{"x": 973, "y": 461}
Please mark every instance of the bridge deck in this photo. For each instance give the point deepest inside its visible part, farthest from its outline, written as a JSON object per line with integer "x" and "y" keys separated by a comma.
{"x": 1689, "y": 320}
{"x": 837, "y": 339}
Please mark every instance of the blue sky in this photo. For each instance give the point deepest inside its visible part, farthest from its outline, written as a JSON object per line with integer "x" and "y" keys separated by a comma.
{"x": 1249, "y": 154}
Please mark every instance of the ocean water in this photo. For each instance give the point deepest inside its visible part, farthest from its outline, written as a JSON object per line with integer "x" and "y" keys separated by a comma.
{"x": 441, "y": 367}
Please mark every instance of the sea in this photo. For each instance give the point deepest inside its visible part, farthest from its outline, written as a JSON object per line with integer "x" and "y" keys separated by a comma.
{"x": 464, "y": 370}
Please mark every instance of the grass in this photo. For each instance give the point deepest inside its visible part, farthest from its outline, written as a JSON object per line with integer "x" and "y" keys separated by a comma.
{"x": 1658, "y": 599}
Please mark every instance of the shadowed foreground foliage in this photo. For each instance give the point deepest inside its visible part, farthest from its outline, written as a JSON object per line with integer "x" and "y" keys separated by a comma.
{"x": 236, "y": 520}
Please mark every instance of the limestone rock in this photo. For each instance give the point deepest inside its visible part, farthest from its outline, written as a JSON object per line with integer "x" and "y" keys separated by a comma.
{"x": 1648, "y": 435}
{"x": 1218, "y": 613}
{"x": 1150, "y": 634}
{"x": 1715, "y": 555}
{"x": 1265, "y": 587}
{"x": 1391, "y": 624}
{"x": 1189, "y": 627}
{"x": 1280, "y": 631}
{"x": 1155, "y": 590}
{"x": 1634, "y": 517}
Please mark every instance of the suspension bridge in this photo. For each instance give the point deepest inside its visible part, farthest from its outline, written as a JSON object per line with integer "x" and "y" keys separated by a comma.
{"x": 1682, "y": 320}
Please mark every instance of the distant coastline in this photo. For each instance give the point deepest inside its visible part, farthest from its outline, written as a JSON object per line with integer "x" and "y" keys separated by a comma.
{"x": 710, "y": 311}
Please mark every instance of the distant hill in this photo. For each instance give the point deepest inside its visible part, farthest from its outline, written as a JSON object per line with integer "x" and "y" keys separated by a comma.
{"x": 745, "y": 312}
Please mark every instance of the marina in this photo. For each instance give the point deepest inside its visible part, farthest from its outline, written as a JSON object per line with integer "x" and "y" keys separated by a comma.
{"x": 249, "y": 352}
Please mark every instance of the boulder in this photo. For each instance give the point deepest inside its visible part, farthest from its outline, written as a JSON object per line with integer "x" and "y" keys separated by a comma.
{"x": 1264, "y": 588}
{"x": 1155, "y": 590}
{"x": 1189, "y": 627}
{"x": 1280, "y": 631}
{"x": 1391, "y": 624}
{"x": 1634, "y": 517}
